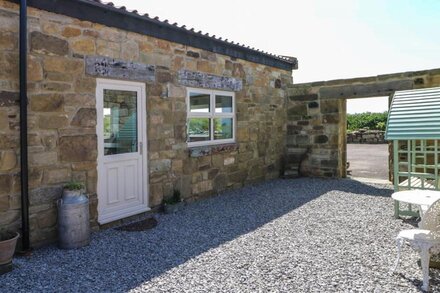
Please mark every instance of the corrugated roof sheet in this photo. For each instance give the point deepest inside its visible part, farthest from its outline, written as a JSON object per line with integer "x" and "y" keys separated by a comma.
{"x": 414, "y": 114}
{"x": 110, "y": 15}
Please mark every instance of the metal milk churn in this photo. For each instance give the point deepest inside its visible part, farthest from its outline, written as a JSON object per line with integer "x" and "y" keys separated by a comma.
{"x": 73, "y": 219}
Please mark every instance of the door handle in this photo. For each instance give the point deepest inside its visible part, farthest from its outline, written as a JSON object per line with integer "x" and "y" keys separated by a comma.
{"x": 141, "y": 147}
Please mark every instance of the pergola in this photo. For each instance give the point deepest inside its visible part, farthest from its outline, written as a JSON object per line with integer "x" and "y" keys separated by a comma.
{"x": 414, "y": 128}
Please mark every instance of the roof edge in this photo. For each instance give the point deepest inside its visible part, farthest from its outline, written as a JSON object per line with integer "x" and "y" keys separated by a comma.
{"x": 386, "y": 136}
{"x": 414, "y": 114}
{"x": 106, "y": 14}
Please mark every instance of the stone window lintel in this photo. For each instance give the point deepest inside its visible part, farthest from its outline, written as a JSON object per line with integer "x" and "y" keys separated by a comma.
{"x": 207, "y": 150}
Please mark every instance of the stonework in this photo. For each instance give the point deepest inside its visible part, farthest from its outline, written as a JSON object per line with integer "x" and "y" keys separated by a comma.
{"x": 366, "y": 136}
{"x": 66, "y": 56}
{"x": 279, "y": 126}
{"x": 210, "y": 81}
{"x": 316, "y": 118}
{"x": 119, "y": 69}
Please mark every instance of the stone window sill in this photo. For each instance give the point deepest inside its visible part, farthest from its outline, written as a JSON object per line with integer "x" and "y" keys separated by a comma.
{"x": 201, "y": 151}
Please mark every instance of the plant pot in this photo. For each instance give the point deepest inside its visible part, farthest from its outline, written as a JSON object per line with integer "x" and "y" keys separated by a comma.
{"x": 173, "y": 208}
{"x": 7, "y": 249}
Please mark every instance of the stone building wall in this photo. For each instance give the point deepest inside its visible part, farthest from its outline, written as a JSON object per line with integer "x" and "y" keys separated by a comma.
{"x": 316, "y": 118}
{"x": 62, "y": 116}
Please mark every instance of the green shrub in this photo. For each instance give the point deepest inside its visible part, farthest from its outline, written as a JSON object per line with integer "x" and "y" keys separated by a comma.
{"x": 381, "y": 126}
{"x": 373, "y": 121}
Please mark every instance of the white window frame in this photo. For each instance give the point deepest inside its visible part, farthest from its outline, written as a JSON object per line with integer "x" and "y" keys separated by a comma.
{"x": 211, "y": 115}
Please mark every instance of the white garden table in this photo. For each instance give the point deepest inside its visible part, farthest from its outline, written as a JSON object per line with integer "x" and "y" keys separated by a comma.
{"x": 422, "y": 198}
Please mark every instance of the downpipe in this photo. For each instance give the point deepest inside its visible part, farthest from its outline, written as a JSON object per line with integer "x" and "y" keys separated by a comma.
{"x": 24, "y": 129}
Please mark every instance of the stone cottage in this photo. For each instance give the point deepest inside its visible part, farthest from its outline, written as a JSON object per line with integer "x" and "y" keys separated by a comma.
{"x": 135, "y": 108}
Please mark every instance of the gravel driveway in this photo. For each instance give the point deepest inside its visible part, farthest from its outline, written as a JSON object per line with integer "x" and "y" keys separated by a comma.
{"x": 301, "y": 235}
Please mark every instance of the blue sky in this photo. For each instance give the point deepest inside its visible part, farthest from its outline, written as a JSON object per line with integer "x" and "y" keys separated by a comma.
{"x": 331, "y": 39}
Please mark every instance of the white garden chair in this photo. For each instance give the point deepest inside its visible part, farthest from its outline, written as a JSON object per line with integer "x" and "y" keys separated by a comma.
{"x": 425, "y": 239}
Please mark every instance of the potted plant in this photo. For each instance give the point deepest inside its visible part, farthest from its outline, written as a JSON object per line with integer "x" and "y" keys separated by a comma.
{"x": 173, "y": 204}
{"x": 8, "y": 241}
{"x": 73, "y": 189}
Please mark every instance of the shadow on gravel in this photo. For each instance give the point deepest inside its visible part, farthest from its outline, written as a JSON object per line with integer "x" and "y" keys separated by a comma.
{"x": 358, "y": 187}
{"x": 119, "y": 261}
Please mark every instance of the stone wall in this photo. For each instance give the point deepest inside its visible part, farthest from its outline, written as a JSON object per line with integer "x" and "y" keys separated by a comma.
{"x": 316, "y": 118}
{"x": 366, "y": 136}
{"x": 313, "y": 136}
{"x": 62, "y": 116}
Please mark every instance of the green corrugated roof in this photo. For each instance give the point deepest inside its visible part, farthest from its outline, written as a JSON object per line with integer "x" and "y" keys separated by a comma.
{"x": 414, "y": 114}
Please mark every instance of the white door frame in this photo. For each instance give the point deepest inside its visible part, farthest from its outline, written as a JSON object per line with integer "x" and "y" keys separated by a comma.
{"x": 102, "y": 84}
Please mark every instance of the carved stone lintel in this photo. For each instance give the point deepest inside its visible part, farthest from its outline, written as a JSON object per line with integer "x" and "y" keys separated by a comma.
{"x": 120, "y": 69}
{"x": 210, "y": 81}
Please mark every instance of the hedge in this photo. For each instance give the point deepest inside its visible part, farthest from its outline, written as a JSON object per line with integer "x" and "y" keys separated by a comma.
{"x": 374, "y": 121}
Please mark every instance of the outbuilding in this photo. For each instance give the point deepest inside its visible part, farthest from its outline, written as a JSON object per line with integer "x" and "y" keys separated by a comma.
{"x": 134, "y": 107}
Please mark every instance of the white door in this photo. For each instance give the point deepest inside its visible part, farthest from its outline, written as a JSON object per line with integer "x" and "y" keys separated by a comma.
{"x": 122, "y": 152}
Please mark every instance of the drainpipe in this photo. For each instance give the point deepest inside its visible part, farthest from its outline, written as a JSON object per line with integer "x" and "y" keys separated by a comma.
{"x": 23, "y": 128}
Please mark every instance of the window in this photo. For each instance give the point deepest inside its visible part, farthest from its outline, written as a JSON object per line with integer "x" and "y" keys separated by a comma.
{"x": 211, "y": 117}
{"x": 120, "y": 122}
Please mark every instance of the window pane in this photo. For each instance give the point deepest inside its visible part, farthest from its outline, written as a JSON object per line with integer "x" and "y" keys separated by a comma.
{"x": 120, "y": 122}
{"x": 199, "y": 103}
{"x": 223, "y": 104}
{"x": 199, "y": 129}
{"x": 223, "y": 128}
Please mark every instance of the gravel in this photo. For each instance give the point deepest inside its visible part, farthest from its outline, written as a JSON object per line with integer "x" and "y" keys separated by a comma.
{"x": 302, "y": 235}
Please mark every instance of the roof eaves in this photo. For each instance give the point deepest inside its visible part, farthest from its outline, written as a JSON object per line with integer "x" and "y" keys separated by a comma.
{"x": 119, "y": 17}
